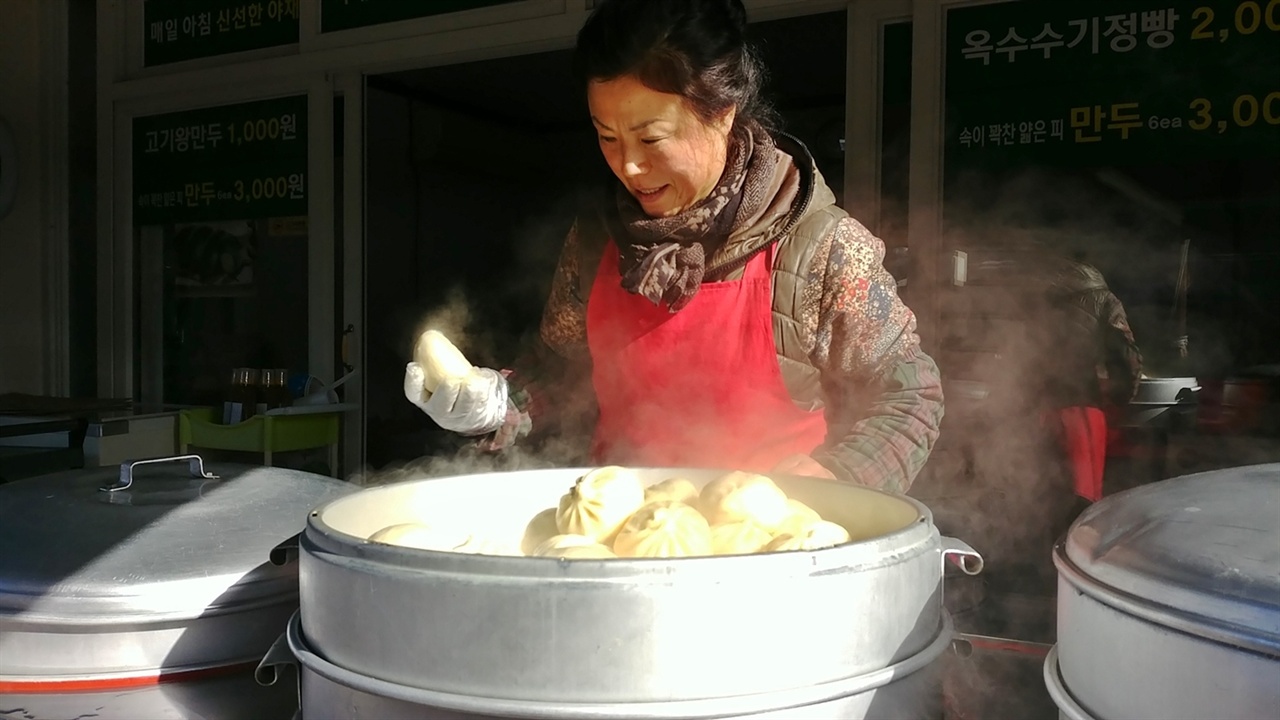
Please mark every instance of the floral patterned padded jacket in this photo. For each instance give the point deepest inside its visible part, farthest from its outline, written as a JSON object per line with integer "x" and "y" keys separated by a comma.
{"x": 845, "y": 342}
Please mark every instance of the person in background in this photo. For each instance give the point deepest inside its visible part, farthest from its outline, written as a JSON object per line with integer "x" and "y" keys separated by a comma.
{"x": 1100, "y": 366}
{"x": 713, "y": 307}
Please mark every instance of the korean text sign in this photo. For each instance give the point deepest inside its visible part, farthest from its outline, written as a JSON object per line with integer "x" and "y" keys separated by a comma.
{"x": 176, "y": 30}
{"x": 1108, "y": 80}
{"x": 246, "y": 160}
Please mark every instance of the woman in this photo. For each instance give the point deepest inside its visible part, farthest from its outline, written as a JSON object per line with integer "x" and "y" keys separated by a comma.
{"x": 719, "y": 308}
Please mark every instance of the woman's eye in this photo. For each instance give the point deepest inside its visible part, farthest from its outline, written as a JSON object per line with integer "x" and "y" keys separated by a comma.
{"x": 604, "y": 139}
{"x": 652, "y": 141}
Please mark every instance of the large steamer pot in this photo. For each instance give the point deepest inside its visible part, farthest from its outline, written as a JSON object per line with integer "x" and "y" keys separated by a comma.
{"x": 149, "y": 590}
{"x": 1169, "y": 602}
{"x": 907, "y": 689}
{"x": 507, "y": 633}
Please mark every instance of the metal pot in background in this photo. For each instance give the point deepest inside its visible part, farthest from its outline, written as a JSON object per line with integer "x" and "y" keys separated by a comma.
{"x": 834, "y": 633}
{"x": 148, "y": 590}
{"x": 1169, "y": 602}
{"x": 1167, "y": 403}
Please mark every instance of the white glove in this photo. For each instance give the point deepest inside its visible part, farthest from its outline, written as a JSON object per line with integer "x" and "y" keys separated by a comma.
{"x": 472, "y": 405}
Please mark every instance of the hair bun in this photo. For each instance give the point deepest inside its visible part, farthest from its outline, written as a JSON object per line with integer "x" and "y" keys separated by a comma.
{"x": 737, "y": 14}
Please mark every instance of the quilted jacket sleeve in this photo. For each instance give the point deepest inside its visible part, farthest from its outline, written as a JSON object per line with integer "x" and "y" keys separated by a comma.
{"x": 883, "y": 394}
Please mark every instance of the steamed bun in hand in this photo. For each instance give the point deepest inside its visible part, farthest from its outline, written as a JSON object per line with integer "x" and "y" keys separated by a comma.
{"x": 440, "y": 359}
{"x": 578, "y": 547}
{"x": 422, "y": 537}
{"x": 539, "y": 529}
{"x": 664, "y": 529}
{"x": 740, "y": 538}
{"x": 815, "y": 536}
{"x": 743, "y": 496}
{"x": 676, "y": 489}
{"x": 599, "y": 503}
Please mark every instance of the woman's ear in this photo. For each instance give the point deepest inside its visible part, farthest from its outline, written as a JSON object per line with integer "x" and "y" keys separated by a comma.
{"x": 724, "y": 123}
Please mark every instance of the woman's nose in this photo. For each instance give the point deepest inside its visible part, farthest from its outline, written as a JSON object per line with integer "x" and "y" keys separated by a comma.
{"x": 632, "y": 163}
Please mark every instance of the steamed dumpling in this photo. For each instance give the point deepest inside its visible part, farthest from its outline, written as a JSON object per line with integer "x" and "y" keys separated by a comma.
{"x": 816, "y": 536}
{"x": 539, "y": 529}
{"x": 740, "y": 538}
{"x": 422, "y": 537}
{"x": 799, "y": 517}
{"x": 572, "y": 546}
{"x": 599, "y": 503}
{"x": 675, "y": 489}
{"x": 664, "y": 529}
{"x": 743, "y": 496}
{"x": 440, "y": 359}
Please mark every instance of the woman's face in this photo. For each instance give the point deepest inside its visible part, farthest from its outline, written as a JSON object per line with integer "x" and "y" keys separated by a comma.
{"x": 667, "y": 157}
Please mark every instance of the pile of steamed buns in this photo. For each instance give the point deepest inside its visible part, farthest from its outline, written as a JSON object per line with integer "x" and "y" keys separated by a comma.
{"x": 609, "y": 513}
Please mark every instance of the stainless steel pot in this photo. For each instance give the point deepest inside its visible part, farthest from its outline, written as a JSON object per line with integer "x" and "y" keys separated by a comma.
{"x": 1162, "y": 402}
{"x": 907, "y": 689}
{"x": 1169, "y": 601}
{"x": 124, "y": 592}
{"x": 535, "y": 630}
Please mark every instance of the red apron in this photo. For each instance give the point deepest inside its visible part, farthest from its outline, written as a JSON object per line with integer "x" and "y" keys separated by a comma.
{"x": 1084, "y": 438}
{"x": 697, "y": 388}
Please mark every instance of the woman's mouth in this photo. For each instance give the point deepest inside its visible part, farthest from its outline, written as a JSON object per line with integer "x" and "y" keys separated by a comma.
{"x": 649, "y": 195}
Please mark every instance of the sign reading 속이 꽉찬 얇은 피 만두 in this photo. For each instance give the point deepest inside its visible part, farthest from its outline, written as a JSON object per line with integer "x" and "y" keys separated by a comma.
{"x": 177, "y": 30}
{"x": 338, "y": 15}
{"x": 1092, "y": 82}
{"x": 247, "y": 160}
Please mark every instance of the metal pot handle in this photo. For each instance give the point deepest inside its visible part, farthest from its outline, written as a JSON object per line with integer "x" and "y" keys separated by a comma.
{"x": 278, "y": 656}
{"x": 285, "y": 552}
{"x": 964, "y": 557}
{"x": 195, "y": 462}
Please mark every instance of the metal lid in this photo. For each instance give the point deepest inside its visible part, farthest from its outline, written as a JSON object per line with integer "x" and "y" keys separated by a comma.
{"x": 1200, "y": 553}
{"x": 171, "y": 544}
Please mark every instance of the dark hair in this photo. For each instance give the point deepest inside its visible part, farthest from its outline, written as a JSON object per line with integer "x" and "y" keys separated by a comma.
{"x": 693, "y": 48}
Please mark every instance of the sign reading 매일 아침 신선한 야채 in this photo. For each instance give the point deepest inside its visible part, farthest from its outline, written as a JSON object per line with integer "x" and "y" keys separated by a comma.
{"x": 1111, "y": 81}
{"x": 177, "y": 30}
{"x": 336, "y": 15}
{"x": 231, "y": 162}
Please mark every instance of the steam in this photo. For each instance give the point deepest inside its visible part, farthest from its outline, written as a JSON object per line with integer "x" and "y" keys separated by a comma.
{"x": 999, "y": 478}
{"x": 469, "y": 460}
{"x": 453, "y": 319}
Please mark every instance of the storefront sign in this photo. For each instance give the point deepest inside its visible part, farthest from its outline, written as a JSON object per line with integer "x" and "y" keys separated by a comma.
{"x": 347, "y": 14}
{"x": 225, "y": 163}
{"x": 176, "y": 30}
{"x": 1111, "y": 81}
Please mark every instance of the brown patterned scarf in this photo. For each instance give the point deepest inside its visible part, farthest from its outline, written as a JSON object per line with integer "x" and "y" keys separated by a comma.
{"x": 664, "y": 259}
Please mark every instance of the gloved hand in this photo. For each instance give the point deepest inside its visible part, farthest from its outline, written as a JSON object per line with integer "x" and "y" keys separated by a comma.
{"x": 475, "y": 404}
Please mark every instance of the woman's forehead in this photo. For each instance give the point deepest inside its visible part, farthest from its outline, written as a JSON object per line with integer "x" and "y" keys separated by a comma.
{"x": 627, "y": 101}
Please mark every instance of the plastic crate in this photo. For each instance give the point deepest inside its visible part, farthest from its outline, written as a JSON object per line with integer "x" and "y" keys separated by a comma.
{"x": 266, "y": 434}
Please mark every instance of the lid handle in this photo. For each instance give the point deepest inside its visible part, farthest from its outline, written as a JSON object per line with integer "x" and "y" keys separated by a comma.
{"x": 285, "y": 552}
{"x": 278, "y": 656}
{"x": 966, "y": 558}
{"x": 195, "y": 462}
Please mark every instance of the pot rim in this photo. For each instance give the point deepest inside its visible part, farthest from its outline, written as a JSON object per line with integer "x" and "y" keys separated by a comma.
{"x": 1181, "y": 620}
{"x": 124, "y": 680}
{"x": 1058, "y": 692}
{"x": 707, "y": 709}
{"x": 918, "y": 536}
